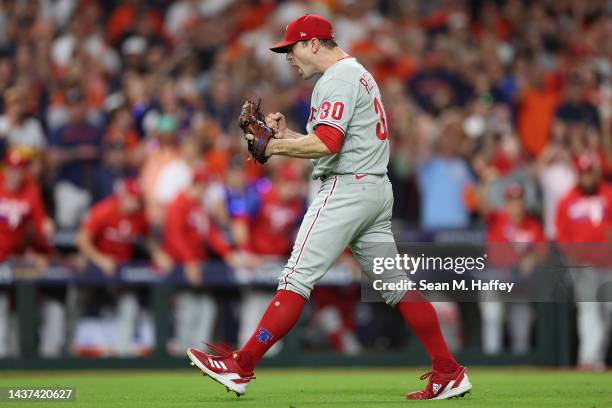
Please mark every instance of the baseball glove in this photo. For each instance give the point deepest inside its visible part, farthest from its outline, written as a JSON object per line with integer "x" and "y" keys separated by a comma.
{"x": 252, "y": 121}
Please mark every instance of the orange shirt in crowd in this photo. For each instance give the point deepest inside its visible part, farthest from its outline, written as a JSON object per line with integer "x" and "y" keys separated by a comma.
{"x": 535, "y": 117}
{"x": 124, "y": 16}
{"x": 149, "y": 176}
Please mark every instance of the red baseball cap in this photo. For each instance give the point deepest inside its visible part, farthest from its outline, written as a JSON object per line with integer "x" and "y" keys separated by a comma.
{"x": 129, "y": 186}
{"x": 587, "y": 162}
{"x": 16, "y": 159}
{"x": 304, "y": 28}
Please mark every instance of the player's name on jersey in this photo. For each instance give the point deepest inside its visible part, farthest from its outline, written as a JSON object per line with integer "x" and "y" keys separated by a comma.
{"x": 494, "y": 285}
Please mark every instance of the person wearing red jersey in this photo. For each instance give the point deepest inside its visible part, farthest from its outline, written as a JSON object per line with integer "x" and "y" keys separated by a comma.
{"x": 188, "y": 233}
{"x": 23, "y": 220}
{"x": 515, "y": 246}
{"x": 584, "y": 235}
{"x": 271, "y": 230}
{"x": 108, "y": 237}
{"x": 109, "y": 234}
{"x": 24, "y": 225}
{"x": 272, "y": 227}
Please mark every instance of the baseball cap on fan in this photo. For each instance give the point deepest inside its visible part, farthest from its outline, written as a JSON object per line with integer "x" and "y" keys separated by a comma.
{"x": 16, "y": 158}
{"x": 129, "y": 186}
{"x": 304, "y": 28}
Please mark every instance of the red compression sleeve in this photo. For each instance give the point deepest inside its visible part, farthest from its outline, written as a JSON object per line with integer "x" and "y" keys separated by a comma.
{"x": 330, "y": 136}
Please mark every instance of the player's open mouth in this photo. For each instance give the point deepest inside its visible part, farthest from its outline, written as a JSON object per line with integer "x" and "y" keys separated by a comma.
{"x": 299, "y": 70}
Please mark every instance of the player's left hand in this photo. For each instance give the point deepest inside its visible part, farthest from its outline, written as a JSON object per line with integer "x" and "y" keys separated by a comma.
{"x": 257, "y": 133}
{"x": 249, "y": 138}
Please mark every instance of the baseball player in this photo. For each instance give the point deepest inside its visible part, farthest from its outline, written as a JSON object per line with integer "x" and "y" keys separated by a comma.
{"x": 347, "y": 137}
{"x": 108, "y": 238}
{"x": 515, "y": 246}
{"x": 584, "y": 232}
{"x": 25, "y": 229}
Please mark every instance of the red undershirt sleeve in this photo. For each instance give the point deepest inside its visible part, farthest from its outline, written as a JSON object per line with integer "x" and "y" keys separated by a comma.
{"x": 330, "y": 136}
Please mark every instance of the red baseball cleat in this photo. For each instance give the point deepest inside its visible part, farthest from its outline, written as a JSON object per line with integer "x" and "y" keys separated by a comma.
{"x": 222, "y": 368}
{"x": 443, "y": 386}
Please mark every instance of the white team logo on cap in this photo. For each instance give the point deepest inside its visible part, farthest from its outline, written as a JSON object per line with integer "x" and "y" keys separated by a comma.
{"x": 302, "y": 34}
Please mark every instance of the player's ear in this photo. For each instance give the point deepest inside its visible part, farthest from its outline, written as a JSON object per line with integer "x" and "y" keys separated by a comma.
{"x": 314, "y": 45}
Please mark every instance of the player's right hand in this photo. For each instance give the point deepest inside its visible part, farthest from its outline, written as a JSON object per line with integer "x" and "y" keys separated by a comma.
{"x": 276, "y": 121}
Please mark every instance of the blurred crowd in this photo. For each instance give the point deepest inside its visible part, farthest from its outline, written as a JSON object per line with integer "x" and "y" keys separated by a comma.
{"x": 120, "y": 116}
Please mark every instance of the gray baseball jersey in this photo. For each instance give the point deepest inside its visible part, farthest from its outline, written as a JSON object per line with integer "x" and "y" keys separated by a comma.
{"x": 347, "y": 98}
{"x": 354, "y": 203}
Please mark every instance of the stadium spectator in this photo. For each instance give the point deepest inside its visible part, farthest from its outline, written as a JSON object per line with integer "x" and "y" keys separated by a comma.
{"x": 584, "y": 230}
{"x": 556, "y": 176}
{"x": 436, "y": 89}
{"x": 74, "y": 154}
{"x": 443, "y": 176}
{"x": 176, "y": 176}
{"x": 538, "y": 97}
{"x": 162, "y": 151}
{"x": 575, "y": 109}
{"x": 113, "y": 168}
{"x": 17, "y": 126}
{"x": 134, "y": 17}
{"x": 220, "y": 103}
{"x": 122, "y": 130}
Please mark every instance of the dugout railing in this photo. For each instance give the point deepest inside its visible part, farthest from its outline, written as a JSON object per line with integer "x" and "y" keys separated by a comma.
{"x": 552, "y": 346}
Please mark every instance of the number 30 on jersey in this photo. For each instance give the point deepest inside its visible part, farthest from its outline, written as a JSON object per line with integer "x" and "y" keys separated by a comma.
{"x": 337, "y": 109}
{"x": 381, "y": 126}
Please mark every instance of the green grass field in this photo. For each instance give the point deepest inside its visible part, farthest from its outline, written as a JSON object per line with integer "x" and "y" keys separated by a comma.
{"x": 320, "y": 388}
